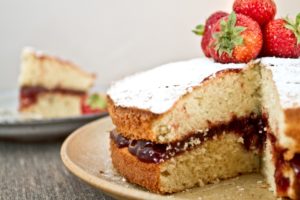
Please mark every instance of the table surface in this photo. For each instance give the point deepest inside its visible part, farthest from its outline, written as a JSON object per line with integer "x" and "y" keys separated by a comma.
{"x": 35, "y": 171}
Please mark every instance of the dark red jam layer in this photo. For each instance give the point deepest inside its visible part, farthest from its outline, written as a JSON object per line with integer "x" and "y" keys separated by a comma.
{"x": 251, "y": 129}
{"x": 295, "y": 164}
{"x": 28, "y": 94}
{"x": 282, "y": 182}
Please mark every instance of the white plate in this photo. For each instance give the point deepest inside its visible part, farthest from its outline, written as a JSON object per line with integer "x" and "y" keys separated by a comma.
{"x": 12, "y": 126}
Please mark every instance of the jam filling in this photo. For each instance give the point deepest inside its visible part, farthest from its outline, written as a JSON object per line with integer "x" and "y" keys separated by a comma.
{"x": 251, "y": 129}
{"x": 282, "y": 182}
{"x": 29, "y": 95}
{"x": 295, "y": 164}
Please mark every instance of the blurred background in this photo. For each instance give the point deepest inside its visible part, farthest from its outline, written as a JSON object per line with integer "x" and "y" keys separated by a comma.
{"x": 111, "y": 38}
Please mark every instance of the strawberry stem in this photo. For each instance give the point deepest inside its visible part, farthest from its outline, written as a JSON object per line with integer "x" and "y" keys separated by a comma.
{"x": 199, "y": 30}
{"x": 294, "y": 26}
{"x": 229, "y": 37}
{"x": 95, "y": 101}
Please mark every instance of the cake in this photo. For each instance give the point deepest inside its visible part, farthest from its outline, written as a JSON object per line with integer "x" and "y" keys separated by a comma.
{"x": 196, "y": 122}
{"x": 51, "y": 87}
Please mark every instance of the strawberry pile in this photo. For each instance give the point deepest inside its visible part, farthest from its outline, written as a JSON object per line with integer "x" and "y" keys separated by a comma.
{"x": 248, "y": 32}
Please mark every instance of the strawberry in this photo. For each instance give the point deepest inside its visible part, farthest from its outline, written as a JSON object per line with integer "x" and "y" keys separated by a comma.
{"x": 282, "y": 38}
{"x": 236, "y": 38}
{"x": 206, "y": 31}
{"x": 93, "y": 104}
{"x": 261, "y": 11}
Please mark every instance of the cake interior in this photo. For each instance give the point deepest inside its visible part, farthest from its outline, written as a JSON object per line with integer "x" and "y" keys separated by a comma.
{"x": 49, "y": 103}
{"x": 248, "y": 130}
{"x": 215, "y": 159}
{"x": 226, "y": 151}
{"x": 51, "y": 87}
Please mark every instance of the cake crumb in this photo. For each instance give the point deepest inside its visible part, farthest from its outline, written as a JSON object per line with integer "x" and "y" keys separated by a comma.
{"x": 264, "y": 185}
{"x": 201, "y": 183}
{"x": 185, "y": 146}
{"x": 241, "y": 140}
{"x": 203, "y": 150}
{"x": 190, "y": 89}
{"x": 216, "y": 181}
{"x": 240, "y": 188}
{"x": 169, "y": 147}
{"x": 164, "y": 129}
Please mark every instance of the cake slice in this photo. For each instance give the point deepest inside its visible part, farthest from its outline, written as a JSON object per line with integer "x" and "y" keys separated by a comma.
{"x": 281, "y": 106}
{"x": 51, "y": 87}
{"x": 196, "y": 122}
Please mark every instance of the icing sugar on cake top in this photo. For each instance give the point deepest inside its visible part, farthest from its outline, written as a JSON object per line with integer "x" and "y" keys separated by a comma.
{"x": 286, "y": 75}
{"x": 158, "y": 89}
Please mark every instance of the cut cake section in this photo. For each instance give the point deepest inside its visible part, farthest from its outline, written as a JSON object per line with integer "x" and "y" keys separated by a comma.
{"x": 214, "y": 160}
{"x": 281, "y": 104}
{"x": 50, "y": 86}
{"x": 191, "y": 103}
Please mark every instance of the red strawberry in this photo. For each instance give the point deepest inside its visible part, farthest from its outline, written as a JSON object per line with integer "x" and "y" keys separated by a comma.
{"x": 282, "y": 38}
{"x": 93, "y": 104}
{"x": 261, "y": 11}
{"x": 206, "y": 31}
{"x": 236, "y": 38}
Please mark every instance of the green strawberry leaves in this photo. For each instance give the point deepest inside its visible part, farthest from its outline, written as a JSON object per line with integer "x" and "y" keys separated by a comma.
{"x": 199, "y": 30}
{"x": 294, "y": 26}
{"x": 229, "y": 37}
{"x": 95, "y": 101}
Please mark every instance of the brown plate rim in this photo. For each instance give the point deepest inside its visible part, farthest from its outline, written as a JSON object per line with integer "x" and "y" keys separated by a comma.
{"x": 108, "y": 187}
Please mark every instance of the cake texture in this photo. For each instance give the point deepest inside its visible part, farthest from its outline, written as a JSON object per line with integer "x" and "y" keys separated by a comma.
{"x": 183, "y": 124}
{"x": 220, "y": 158}
{"x": 281, "y": 102}
{"x": 51, "y": 87}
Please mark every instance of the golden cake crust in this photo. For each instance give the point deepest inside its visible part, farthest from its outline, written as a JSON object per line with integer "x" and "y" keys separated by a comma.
{"x": 135, "y": 123}
{"x": 132, "y": 122}
{"x": 137, "y": 172}
{"x": 292, "y": 120}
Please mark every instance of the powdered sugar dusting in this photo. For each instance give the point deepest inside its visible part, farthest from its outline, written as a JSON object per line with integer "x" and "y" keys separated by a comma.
{"x": 31, "y": 50}
{"x": 286, "y": 75}
{"x": 158, "y": 89}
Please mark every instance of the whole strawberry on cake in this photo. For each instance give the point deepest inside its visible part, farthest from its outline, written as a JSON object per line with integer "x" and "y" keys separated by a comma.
{"x": 214, "y": 119}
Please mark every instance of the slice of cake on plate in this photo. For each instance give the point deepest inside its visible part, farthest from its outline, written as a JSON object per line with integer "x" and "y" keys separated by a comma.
{"x": 51, "y": 87}
{"x": 191, "y": 123}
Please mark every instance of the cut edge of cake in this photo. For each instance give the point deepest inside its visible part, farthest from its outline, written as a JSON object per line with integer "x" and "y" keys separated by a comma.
{"x": 163, "y": 127}
{"x": 184, "y": 170}
{"x": 286, "y": 134}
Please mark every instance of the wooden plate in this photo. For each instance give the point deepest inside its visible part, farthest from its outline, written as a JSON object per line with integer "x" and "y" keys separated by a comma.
{"x": 86, "y": 154}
